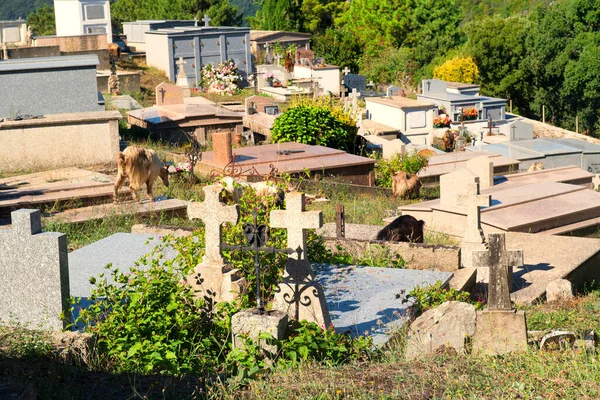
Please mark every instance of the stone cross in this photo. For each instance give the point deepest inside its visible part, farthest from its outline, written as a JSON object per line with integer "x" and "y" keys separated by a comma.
{"x": 180, "y": 63}
{"x": 196, "y": 22}
{"x": 214, "y": 214}
{"x": 596, "y": 181}
{"x": 206, "y": 20}
{"x": 501, "y": 262}
{"x": 346, "y": 70}
{"x": 162, "y": 94}
{"x": 370, "y": 84}
{"x": 344, "y": 90}
{"x": 354, "y": 96}
{"x": 296, "y": 221}
{"x": 473, "y": 200}
{"x": 278, "y": 58}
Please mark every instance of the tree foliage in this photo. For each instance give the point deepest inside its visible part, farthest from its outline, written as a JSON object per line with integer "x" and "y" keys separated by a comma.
{"x": 220, "y": 11}
{"x": 15, "y": 9}
{"x": 42, "y": 21}
{"x": 457, "y": 70}
{"x": 318, "y": 122}
{"x": 282, "y": 15}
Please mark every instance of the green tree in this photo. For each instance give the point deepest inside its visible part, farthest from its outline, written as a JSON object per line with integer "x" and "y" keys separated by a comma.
{"x": 499, "y": 49}
{"x": 279, "y": 15}
{"x": 338, "y": 47}
{"x": 42, "y": 21}
{"x": 320, "y": 15}
{"x": 221, "y": 11}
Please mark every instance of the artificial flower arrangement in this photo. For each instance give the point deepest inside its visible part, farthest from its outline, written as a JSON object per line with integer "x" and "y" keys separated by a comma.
{"x": 441, "y": 122}
{"x": 471, "y": 113}
{"x": 222, "y": 79}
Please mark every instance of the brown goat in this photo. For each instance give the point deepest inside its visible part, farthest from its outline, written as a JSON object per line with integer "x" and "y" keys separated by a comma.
{"x": 405, "y": 185}
{"x": 139, "y": 166}
{"x": 448, "y": 139}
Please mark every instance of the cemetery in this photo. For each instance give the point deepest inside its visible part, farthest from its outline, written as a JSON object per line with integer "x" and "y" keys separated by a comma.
{"x": 298, "y": 231}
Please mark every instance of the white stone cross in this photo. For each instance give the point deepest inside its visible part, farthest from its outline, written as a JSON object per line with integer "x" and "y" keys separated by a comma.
{"x": 346, "y": 70}
{"x": 278, "y": 57}
{"x": 371, "y": 84}
{"x": 500, "y": 261}
{"x": 214, "y": 214}
{"x": 354, "y": 96}
{"x": 196, "y": 22}
{"x": 296, "y": 221}
{"x": 206, "y": 20}
{"x": 473, "y": 200}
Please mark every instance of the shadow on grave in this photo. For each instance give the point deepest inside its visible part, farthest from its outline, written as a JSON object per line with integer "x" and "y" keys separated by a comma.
{"x": 44, "y": 377}
{"x": 519, "y": 281}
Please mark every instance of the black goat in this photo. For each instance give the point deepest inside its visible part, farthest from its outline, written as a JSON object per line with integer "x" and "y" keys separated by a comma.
{"x": 403, "y": 229}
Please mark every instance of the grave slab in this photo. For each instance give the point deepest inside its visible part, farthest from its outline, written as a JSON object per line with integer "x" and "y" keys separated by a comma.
{"x": 120, "y": 249}
{"x": 362, "y": 300}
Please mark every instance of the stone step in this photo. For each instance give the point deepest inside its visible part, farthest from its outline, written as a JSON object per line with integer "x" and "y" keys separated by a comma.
{"x": 85, "y": 196}
{"x": 101, "y": 211}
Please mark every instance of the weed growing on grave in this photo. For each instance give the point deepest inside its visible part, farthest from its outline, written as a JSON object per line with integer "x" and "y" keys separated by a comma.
{"x": 148, "y": 321}
{"x": 306, "y": 343}
{"x": 428, "y": 297}
{"x": 407, "y": 162}
{"x": 19, "y": 341}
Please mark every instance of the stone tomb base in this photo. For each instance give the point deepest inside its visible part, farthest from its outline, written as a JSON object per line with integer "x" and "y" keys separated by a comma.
{"x": 250, "y": 324}
{"x": 500, "y": 332}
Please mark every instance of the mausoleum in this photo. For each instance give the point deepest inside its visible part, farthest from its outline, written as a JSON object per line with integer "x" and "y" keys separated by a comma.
{"x": 456, "y": 99}
{"x": 136, "y": 30}
{"x": 82, "y": 17}
{"x": 198, "y": 46}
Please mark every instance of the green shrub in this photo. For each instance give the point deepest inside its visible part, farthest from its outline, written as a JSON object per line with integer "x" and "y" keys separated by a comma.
{"x": 407, "y": 162}
{"x": 316, "y": 122}
{"x": 428, "y": 297}
{"x": 148, "y": 321}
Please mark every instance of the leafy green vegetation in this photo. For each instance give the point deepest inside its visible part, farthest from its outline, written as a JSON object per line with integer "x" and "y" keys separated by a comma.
{"x": 42, "y": 21}
{"x": 407, "y": 162}
{"x": 321, "y": 122}
{"x": 428, "y": 297}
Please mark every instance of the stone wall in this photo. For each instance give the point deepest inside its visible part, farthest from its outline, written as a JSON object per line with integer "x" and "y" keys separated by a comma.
{"x": 541, "y": 130}
{"x": 416, "y": 255}
{"x": 61, "y": 140}
{"x": 128, "y": 82}
{"x": 33, "y": 52}
{"x": 73, "y": 43}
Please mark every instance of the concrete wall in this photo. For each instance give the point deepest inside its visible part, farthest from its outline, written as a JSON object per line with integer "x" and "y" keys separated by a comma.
{"x": 404, "y": 120}
{"x": 57, "y": 141}
{"x": 73, "y": 43}
{"x": 33, "y": 52}
{"x": 128, "y": 82}
{"x": 74, "y": 17}
{"x": 157, "y": 58}
{"x": 416, "y": 255}
{"x": 328, "y": 79}
{"x": 14, "y": 33}
{"x": 49, "y": 91}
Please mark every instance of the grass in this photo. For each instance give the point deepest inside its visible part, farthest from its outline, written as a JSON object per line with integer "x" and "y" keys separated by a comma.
{"x": 566, "y": 374}
{"x": 239, "y": 97}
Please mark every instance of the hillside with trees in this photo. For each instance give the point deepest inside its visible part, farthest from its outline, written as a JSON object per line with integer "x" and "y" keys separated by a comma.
{"x": 15, "y": 9}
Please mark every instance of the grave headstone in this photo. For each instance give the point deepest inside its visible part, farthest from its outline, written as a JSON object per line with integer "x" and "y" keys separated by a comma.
{"x": 299, "y": 295}
{"x": 483, "y": 167}
{"x": 520, "y": 130}
{"x": 500, "y": 328}
{"x": 354, "y": 97}
{"x": 355, "y": 81}
{"x": 453, "y": 185}
{"x": 182, "y": 79}
{"x": 167, "y": 94}
{"x": 392, "y": 91}
{"x": 206, "y": 20}
{"x": 304, "y": 57}
{"x": 346, "y": 71}
{"x": 35, "y": 273}
{"x": 213, "y": 276}
{"x": 473, "y": 239}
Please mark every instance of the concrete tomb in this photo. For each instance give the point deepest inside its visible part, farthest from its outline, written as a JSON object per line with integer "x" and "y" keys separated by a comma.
{"x": 174, "y": 113}
{"x": 49, "y": 85}
{"x": 213, "y": 276}
{"x": 34, "y": 269}
{"x": 198, "y": 46}
{"x": 82, "y": 17}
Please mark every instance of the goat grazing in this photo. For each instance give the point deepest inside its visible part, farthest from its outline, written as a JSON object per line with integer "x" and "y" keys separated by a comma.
{"x": 405, "y": 185}
{"x": 536, "y": 166}
{"x": 405, "y": 228}
{"x": 139, "y": 166}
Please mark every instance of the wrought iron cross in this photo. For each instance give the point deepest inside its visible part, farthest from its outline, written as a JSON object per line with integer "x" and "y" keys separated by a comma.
{"x": 256, "y": 238}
